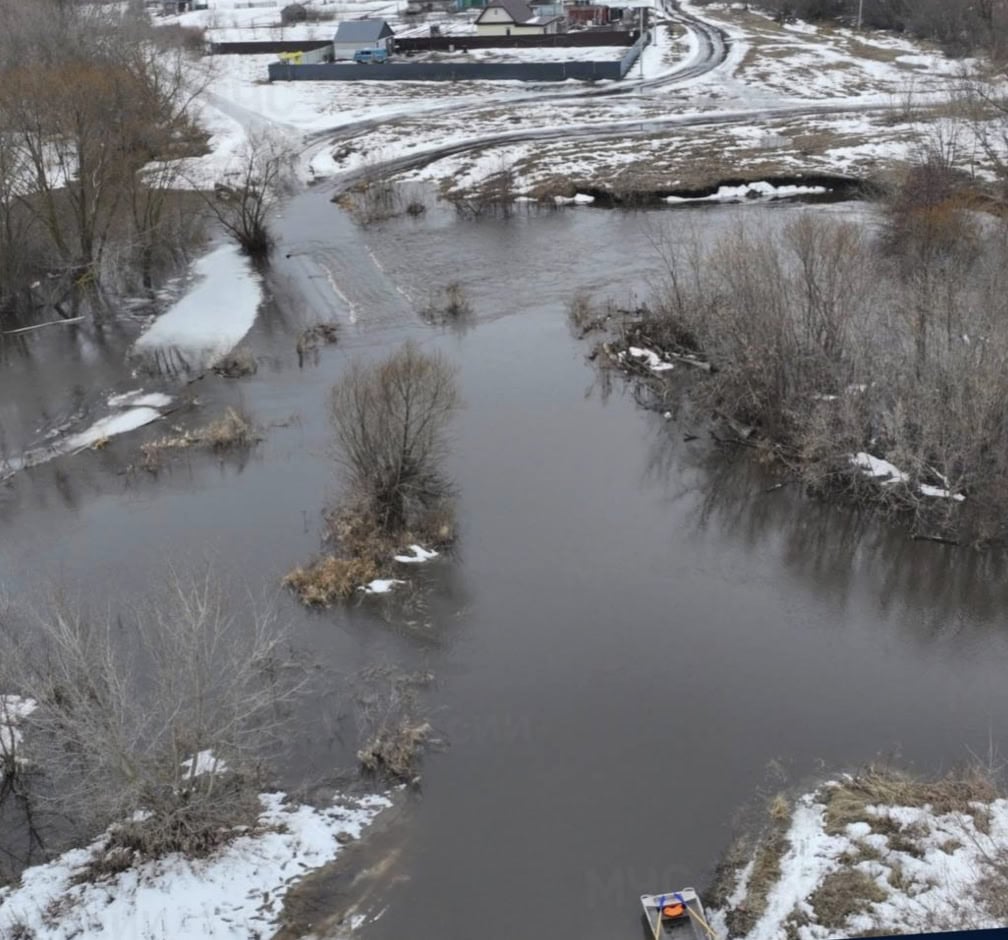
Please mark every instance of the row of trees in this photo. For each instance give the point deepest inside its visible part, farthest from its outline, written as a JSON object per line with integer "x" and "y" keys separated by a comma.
{"x": 90, "y": 95}
{"x": 961, "y": 25}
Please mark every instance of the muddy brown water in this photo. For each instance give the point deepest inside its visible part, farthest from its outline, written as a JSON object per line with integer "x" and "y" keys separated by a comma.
{"x": 630, "y": 631}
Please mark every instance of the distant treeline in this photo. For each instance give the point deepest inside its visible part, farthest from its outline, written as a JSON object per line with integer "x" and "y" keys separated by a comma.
{"x": 961, "y": 26}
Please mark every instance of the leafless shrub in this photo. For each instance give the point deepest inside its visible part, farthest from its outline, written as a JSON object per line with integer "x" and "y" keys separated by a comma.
{"x": 159, "y": 727}
{"x": 391, "y": 421}
{"x": 314, "y": 337}
{"x": 449, "y": 304}
{"x": 330, "y": 579}
{"x": 818, "y": 347}
{"x": 494, "y": 198}
{"x": 253, "y": 184}
{"x": 389, "y": 724}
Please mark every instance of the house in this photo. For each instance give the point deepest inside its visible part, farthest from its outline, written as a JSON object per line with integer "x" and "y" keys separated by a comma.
{"x": 513, "y": 18}
{"x": 352, "y": 35}
{"x": 585, "y": 13}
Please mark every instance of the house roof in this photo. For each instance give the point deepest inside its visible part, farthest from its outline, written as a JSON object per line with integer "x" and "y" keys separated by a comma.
{"x": 518, "y": 10}
{"x": 362, "y": 31}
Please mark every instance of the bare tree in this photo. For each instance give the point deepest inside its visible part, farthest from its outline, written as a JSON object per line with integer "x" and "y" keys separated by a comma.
{"x": 391, "y": 423}
{"x": 90, "y": 94}
{"x": 159, "y": 725}
{"x": 255, "y": 183}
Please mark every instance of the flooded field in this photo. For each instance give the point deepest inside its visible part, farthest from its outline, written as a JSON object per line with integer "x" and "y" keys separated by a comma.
{"x": 630, "y": 632}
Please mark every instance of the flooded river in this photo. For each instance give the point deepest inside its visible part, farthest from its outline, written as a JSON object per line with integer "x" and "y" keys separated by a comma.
{"x": 630, "y": 632}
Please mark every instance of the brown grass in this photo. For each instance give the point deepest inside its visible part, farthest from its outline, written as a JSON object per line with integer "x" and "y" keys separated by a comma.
{"x": 766, "y": 870}
{"x": 331, "y": 579}
{"x": 233, "y": 430}
{"x": 843, "y": 893}
{"x": 848, "y": 801}
{"x": 236, "y": 365}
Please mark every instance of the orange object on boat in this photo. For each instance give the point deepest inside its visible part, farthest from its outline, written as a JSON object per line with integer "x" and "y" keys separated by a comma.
{"x": 672, "y": 911}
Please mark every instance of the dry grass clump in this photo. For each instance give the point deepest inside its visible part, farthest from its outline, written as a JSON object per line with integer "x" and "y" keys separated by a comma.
{"x": 843, "y": 893}
{"x": 233, "y": 430}
{"x": 585, "y": 317}
{"x": 392, "y": 753}
{"x": 313, "y": 338}
{"x": 236, "y": 365}
{"x": 965, "y": 791}
{"x": 331, "y": 579}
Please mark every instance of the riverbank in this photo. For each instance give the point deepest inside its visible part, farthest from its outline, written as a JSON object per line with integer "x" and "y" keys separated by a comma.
{"x": 875, "y": 852}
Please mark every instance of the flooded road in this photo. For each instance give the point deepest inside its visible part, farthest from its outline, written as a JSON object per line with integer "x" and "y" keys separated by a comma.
{"x": 630, "y": 631}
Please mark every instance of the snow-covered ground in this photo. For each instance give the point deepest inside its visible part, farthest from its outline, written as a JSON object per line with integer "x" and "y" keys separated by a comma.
{"x": 13, "y": 710}
{"x": 798, "y": 65}
{"x": 235, "y": 894}
{"x": 904, "y": 869}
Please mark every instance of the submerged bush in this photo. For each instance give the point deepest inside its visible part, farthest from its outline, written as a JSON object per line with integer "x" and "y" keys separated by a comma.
{"x": 391, "y": 421}
{"x": 820, "y": 348}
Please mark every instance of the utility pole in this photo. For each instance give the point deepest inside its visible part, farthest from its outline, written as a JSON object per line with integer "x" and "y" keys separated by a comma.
{"x": 643, "y": 47}
{"x": 860, "y": 13}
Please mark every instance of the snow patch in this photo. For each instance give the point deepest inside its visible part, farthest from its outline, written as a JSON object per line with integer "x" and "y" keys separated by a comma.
{"x": 888, "y": 473}
{"x": 879, "y": 469}
{"x": 757, "y": 190}
{"x": 13, "y": 710}
{"x": 139, "y": 398}
{"x": 212, "y": 318}
{"x": 205, "y": 762}
{"x": 381, "y": 585}
{"x": 653, "y": 361}
{"x": 235, "y": 894}
{"x": 417, "y": 555}
{"x": 578, "y": 199}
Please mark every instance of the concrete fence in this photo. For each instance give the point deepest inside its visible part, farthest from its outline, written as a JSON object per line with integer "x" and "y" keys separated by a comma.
{"x": 459, "y": 71}
{"x": 599, "y": 37}
{"x": 268, "y": 47}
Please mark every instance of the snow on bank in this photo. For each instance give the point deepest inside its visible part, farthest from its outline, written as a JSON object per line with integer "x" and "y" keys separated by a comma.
{"x": 236, "y": 894}
{"x": 13, "y": 710}
{"x": 758, "y": 190}
{"x": 213, "y": 317}
{"x": 131, "y": 410}
{"x": 926, "y": 873}
{"x": 887, "y": 473}
{"x": 648, "y": 357}
{"x": 417, "y": 555}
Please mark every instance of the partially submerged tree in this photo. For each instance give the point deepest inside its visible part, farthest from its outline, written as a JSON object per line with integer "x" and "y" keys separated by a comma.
{"x": 89, "y": 95}
{"x": 391, "y": 422}
{"x": 255, "y": 182}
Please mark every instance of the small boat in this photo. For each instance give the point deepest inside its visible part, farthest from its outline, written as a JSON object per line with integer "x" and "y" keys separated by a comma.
{"x": 676, "y": 914}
